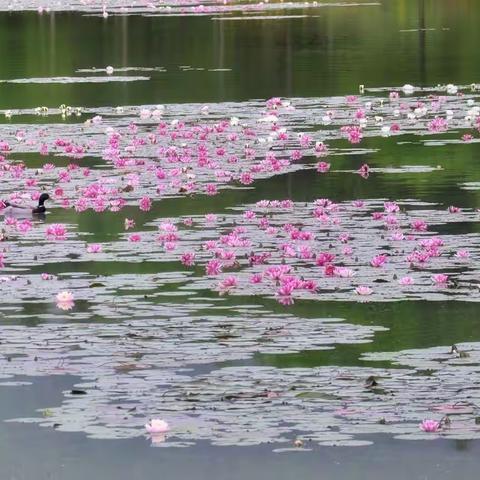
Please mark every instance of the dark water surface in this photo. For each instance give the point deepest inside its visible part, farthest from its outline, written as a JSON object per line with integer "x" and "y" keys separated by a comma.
{"x": 55, "y": 455}
{"x": 328, "y": 52}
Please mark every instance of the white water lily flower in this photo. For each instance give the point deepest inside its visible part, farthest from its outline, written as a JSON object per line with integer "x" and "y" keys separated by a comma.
{"x": 408, "y": 89}
{"x": 452, "y": 89}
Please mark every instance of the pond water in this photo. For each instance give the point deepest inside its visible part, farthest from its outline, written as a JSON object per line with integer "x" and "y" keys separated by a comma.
{"x": 283, "y": 293}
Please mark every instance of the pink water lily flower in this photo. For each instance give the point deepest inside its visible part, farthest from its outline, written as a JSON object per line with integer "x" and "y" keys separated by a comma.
{"x": 213, "y": 267}
{"x": 363, "y": 290}
{"x": 406, "y": 281}
{"x": 440, "y": 279}
{"x": 24, "y": 226}
{"x": 94, "y": 248}
{"x": 64, "y": 296}
{"x": 353, "y": 132}
{"x": 56, "y": 231}
{"x": 397, "y": 236}
{"x": 320, "y": 149}
{"x": 188, "y": 259}
{"x": 256, "y": 278}
{"x": 211, "y": 189}
{"x": 210, "y": 218}
{"x": 378, "y": 261}
{"x": 391, "y": 207}
{"x": 430, "y": 426}
{"x": 437, "y": 125}
{"x": 65, "y": 300}
{"x": 145, "y": 204}
{"x": 323, "y": 167}
{"x": 364, "y": 171}
{"x": 226, "y": 285}
{"x": 419, "y": 225}
{"x": 156, "y": 425}
{"x": 135, "y": 237}
{"x": 285, "y": 300}
{"x": 344, "y": 272}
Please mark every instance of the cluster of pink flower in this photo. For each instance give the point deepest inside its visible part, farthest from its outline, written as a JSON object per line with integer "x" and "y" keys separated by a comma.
{"x": 353, "y": 132}
{"x": 201, "y": 157}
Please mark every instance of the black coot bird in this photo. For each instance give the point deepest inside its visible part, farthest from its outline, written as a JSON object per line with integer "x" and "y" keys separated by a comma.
{"x": 16, "y": 210}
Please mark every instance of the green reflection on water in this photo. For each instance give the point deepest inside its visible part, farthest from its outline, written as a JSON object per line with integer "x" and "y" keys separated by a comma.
{"x": 327, "y": 53}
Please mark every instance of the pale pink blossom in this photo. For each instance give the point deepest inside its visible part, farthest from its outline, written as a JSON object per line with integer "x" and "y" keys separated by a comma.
{"x": 344, "y": 272}
{"x": 210, "y": 218}
{"x": 430, "y": 426}
{"x": 65, "y": 300}
{"x": 363, "y": 290}
{"x": 419, "y": 225}
{"x": 321, "y": 149}
{"x": 94, "y": 248}
{"x": 156, "y": 425}
{"x": 226, "y": 285}
{"x": 440, "y": 279}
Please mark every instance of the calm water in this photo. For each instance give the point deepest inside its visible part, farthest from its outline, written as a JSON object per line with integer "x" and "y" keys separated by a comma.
{"x": 328, "y": 52}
